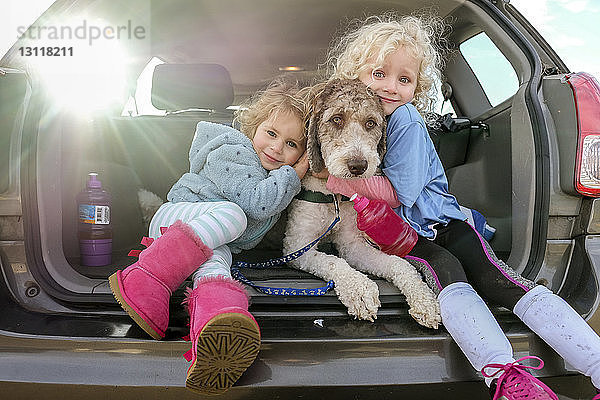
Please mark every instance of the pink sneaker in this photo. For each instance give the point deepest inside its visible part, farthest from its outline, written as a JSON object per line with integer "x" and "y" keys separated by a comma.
{"x": 514, "y": 383}
{"x": 596, "y": 397}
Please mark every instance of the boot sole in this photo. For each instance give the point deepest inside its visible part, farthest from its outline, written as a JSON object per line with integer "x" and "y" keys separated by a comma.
{"x": 113, "y": 281}
{"x": 227, "y": 346}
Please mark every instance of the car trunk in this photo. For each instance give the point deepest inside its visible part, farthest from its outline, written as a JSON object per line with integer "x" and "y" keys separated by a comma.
{"x": 497, "y": 163}
{"x": 150, "y": 152}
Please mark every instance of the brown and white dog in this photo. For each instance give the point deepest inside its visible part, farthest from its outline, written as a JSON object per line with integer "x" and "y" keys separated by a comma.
{"x": 346, "y": 135}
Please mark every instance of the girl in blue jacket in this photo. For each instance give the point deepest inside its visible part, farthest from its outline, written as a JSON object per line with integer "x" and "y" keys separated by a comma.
{"x": 237, "y": 186}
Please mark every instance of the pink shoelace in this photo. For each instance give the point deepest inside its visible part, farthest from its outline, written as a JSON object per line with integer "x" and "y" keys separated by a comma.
{"x": 516, "y": 383}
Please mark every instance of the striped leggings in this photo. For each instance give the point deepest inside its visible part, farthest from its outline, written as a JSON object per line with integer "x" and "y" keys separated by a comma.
{"x": 216, "y": 223}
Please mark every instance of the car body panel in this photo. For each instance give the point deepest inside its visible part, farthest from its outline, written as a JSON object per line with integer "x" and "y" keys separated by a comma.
{"x": 61, "y": 330}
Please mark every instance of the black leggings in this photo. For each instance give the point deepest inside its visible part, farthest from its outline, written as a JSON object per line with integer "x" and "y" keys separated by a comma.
{"x": 460, "y": 254}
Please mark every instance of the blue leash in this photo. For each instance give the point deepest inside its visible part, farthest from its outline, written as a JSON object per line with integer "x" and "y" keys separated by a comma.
{"x": 274, "y": 291}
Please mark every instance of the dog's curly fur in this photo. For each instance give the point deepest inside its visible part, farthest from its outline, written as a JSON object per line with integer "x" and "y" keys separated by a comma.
{"x": 346, "y": 134}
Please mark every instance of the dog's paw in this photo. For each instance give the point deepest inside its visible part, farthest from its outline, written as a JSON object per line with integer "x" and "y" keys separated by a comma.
{"x": 422, "y": 302}
{"x": 360, "y": 294}
{"x": 426, "y": 310}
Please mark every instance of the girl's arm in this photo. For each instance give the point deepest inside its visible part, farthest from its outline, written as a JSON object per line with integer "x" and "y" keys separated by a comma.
{"x": 407, "y": 159}
{"x": 376, "y": 187}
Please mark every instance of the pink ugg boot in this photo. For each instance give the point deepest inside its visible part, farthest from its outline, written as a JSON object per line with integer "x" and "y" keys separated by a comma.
{"x": 144, "y": 288}
{"x": 225, "y": 336}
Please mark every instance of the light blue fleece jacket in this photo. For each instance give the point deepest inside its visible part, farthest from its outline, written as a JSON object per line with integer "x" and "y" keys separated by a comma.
{"x": 225, "y": 167}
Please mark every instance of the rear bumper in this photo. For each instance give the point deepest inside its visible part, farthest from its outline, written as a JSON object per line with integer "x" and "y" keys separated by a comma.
{"x": 573, "y": 387}
{"x": 284, "y": 368}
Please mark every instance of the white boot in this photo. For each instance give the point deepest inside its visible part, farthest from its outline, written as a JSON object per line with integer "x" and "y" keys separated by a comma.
{"x": 559, "y": 325}
{"x": 473, "y": 327}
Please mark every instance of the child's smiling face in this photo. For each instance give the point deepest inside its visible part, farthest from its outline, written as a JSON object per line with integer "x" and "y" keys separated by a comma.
{"x": 279, "y": 140}
{"x": 396, "y": 81}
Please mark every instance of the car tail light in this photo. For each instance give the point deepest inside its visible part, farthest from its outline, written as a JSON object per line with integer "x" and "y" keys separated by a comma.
{"x": 587, "y": 104}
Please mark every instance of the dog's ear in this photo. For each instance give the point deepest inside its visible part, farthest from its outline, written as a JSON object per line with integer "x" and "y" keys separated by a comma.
{"x": 382, "y": 145}
{"x": 313, "y": 146}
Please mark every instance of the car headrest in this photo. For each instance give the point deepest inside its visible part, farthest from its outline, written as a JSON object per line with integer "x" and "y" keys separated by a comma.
{"x": 184, "y": 86}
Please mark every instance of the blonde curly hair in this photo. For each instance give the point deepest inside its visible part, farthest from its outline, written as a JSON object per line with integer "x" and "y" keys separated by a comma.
{"x": 368, "y": 42}
{"x": 279, "y": 97}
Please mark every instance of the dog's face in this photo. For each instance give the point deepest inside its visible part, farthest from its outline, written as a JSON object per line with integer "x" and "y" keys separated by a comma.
{"x": 346, "y": 131}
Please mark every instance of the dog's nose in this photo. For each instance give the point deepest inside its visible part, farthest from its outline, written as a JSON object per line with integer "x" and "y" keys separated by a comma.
{"x": 357, "y": 166}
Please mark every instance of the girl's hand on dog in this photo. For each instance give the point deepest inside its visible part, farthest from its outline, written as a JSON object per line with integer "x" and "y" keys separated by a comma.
{"x": 301, "y": 166}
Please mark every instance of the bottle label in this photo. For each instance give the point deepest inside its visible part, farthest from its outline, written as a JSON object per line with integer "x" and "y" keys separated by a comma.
{"x": 89, "y": 214}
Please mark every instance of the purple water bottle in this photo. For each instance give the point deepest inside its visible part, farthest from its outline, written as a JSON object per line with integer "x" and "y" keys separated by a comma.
{"x": 94, "y": 229}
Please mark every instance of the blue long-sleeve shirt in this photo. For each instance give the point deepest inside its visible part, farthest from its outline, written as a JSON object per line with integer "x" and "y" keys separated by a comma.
{"x": 413, "y": 167}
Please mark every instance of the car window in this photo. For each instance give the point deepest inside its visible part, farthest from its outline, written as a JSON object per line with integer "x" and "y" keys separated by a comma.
{"x": 494, "y": 72}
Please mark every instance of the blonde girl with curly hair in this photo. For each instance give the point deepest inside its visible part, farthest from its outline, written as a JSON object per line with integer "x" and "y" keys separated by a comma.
{"x": 364, "y": 51}
{"x": 237, "y": 187}
{"x": 399, "y": 60}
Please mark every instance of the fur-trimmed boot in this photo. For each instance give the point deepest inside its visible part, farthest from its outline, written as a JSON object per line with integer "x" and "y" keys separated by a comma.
{"x": 144, "y": 288}
{"x": 225, "y": 336}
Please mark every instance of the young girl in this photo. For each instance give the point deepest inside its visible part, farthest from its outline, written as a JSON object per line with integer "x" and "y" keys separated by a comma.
{"x": 397, "y": 59}
{"x": 238, "y": 185}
